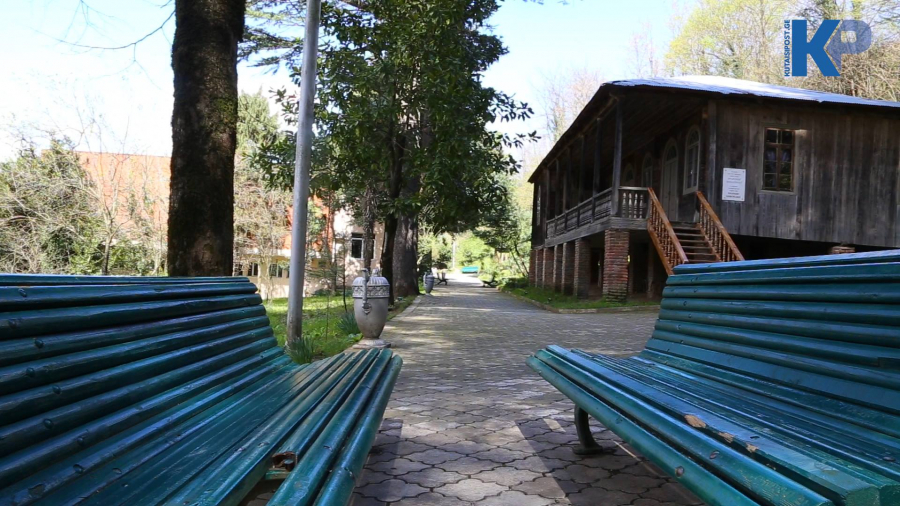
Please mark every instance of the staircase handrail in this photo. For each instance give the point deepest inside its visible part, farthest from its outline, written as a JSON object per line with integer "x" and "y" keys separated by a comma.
{"x": 669, "y": 243}
{"x": 716, "y": 234}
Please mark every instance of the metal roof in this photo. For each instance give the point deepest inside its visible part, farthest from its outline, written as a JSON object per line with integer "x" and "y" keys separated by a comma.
{"x": 729, "y": 86}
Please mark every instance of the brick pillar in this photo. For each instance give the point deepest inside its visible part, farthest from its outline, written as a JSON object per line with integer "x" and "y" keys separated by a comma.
{"x": 615, "y": 265}
{"x": 558, "y": 268}
{"x": 547, "y": 269}
{"x": 536, "y": 279}
{"x": 532, "y": 260}
{"x": 568, "y": 278}
{"x": 841, "y": 249}
{"x": 582, "y": 268}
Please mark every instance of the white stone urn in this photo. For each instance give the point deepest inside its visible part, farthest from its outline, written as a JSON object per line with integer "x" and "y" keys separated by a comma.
{"x": 428, "y": 280}
{"x": 370, "y": 307}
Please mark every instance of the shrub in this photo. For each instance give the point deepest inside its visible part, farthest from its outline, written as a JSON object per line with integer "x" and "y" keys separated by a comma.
{"x": 347, "y": 324}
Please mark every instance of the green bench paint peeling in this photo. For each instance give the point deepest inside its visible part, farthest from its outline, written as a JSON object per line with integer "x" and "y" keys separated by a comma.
{"x": 172, "y": 391}
{"x": 773, "y": 382}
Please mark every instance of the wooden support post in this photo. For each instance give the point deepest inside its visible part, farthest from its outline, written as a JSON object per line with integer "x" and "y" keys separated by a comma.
{"x": 597, "y": 165}
{"x": 535, "y": 215}
{"x": 545, "y": 209}
{"x": 617, "y": 164}
{"x": 560, "y": 190}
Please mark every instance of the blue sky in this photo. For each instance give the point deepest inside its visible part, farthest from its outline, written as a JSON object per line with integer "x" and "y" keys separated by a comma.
{"x": 49, "y": 84}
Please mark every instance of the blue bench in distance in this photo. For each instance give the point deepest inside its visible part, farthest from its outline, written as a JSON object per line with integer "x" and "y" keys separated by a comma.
{"x": 172, "y": 391}
{"x": 470, "y": 269}
{"x": 764, "y": 382}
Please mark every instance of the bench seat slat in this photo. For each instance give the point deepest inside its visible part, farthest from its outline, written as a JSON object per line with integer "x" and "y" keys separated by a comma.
{"x": 794, "y": 428}
{"x": 129, "y": 390}
{"x": 301, "y": 486}
{"x": 163, "y": 468}
{"x": 47, "y": 297}
{"x": 50, "y": 321}
{"x": 27, "y": 349}
{"x": 860, "y": 333}
{"x": 793, "y": 363}
{"x": 840, "y": 481}
{"x": 752, "y": 477}
{"x": 106, "y": 461}
{"x": 339, "y": 486}
{"x": 888, "y": 272}
{"x": 869, "y": 314}
{"x": 233, "y": 475}
{"x": 866, "y": 355}
{"x": 56, "y": 369}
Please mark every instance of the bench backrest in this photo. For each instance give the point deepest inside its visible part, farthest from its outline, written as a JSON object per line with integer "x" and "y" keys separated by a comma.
{"x": 828, "y": 326}
{"x": 83, "y": 358}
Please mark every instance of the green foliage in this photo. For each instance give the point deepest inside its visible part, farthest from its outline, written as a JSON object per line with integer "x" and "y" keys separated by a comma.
{"x": 402, "y": 93}
{"x": 347, "y": 324}
{"x": 256, "y": 124}
{"x": 48, "y": 218}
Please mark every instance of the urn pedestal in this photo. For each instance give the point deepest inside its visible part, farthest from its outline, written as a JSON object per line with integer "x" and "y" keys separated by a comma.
{"x": 370, "y": 307}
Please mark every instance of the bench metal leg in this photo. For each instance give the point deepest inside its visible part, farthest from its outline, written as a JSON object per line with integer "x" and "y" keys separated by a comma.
{"x": 587, "y": 444}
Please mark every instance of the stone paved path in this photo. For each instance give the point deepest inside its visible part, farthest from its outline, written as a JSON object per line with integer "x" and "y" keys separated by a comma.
{"x": 470, "y": 423}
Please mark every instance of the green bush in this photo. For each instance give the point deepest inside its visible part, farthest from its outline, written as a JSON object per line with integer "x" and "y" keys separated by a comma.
{"x": 347, "y": 324}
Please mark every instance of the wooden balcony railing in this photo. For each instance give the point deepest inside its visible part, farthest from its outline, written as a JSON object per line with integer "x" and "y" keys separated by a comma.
{"x": 633, "y": 204}
{"x": 716, "y": 234}
{"x": 663, "y": 236}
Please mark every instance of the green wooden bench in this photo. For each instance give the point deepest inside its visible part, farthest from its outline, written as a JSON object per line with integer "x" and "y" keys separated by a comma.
{"x": 773, "y": 382}
{"x": 172, "y": 391}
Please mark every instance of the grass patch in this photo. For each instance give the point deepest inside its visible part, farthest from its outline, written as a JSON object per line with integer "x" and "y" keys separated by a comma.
{"x": 325, "y": 334}
{"x": 561, "y": 301}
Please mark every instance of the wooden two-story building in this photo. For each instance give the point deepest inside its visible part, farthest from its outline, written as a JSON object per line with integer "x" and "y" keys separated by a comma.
{"x": 658, "y": 172}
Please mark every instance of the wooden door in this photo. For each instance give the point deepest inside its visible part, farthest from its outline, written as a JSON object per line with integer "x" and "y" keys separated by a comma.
{"x": 670, "y": 187}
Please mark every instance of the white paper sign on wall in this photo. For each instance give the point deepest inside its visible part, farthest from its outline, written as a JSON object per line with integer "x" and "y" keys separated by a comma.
{"x": 734, "y": 183}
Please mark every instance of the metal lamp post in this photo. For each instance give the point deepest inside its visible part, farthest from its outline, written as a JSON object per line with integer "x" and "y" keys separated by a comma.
{"x": 301, "y": 174}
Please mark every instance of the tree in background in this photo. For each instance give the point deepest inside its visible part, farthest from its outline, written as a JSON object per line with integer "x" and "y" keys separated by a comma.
{"x": 201, "y": 206}
{"x": 743, "y": 39}
{"x": 48, "y": 218}
{"x": 405, "y": 111}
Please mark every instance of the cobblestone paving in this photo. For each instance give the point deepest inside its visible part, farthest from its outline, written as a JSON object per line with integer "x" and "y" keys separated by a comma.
{"x": 470, "y": 423}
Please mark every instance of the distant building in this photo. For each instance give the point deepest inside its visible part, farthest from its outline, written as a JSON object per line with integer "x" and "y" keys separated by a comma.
{"x": 136, "y": 188}
{"x": 657, "y": 172}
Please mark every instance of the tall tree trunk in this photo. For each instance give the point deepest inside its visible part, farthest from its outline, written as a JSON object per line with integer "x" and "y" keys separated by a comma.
{"x": 390, "y": 222}
{"x": 204, "y": 121}
{"x": 406, "y": 246}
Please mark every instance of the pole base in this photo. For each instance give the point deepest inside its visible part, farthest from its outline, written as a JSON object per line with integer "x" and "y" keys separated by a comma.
{"x": 368, "y": 344}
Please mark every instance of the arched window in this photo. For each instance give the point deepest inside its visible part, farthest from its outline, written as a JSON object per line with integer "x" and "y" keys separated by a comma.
{"x": 647, "y": 171}
{"x": 692, "y": 160}
{"x": 628, "y": 175}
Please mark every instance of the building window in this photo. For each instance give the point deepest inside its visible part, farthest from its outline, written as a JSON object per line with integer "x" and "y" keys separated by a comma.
{"x": 238, "y": 269}
{"x": 356, "y": 245}
{"x": 778, "y": 160}
{"x": 692, "y": 161}
{"x": 273, "y": 271}
{"x": 253, "y": 270}
{"x": 647, "y": 171}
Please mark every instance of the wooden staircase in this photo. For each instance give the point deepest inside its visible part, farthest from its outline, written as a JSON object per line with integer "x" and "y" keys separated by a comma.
{"x": 678, "y": 243}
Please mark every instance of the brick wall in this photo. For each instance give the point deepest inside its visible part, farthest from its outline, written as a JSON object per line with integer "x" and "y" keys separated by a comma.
{"x": 557, "y": 267}
{"x": 615, "y": 265}
{"x": 531, "y": 263}
{"x": 535, "y": 275}
{"x": 568, "y": 278}
{"x": 547, "y": 270}
{"x": 582, "y": 268}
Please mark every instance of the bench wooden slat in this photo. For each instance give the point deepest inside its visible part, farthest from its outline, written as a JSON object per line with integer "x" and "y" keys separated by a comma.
{"x": 794, "y": 364}
{"x": 160, "y": 427}
{"x": 141, "y": 390}
{"x": 837, "y": 480}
